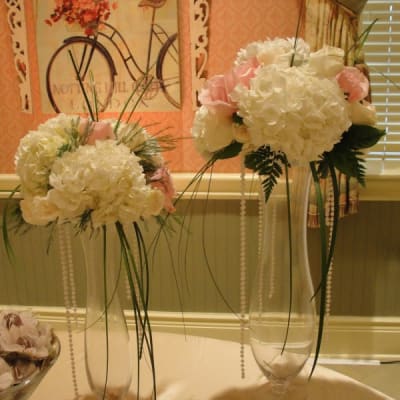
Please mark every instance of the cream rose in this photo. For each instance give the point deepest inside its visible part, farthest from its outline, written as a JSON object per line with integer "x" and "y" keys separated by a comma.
{"x": 211, "y": 131}
{"x": 363, "y": 113}
{"x": 327, "y": 62}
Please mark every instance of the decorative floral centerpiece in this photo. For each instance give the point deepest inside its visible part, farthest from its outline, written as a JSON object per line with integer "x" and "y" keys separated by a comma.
{"x": 89, "y": 14}
{"x": 26, "y": 347}
{"x": 91, "y": 173}
{"x": 102, "y": 178}
{"x": 282, "y": 106}
{"x": 304, "y": 106}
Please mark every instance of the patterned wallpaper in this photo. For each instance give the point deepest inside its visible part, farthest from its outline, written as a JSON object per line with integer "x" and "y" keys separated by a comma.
{"x": 233, "y": 23}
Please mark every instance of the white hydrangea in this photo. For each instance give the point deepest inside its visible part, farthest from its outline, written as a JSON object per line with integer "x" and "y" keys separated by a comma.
{"x": 211, "y": 131}
{"x": 275, "y": 51}
{"x": 38, "y": 150}
{"x": 105, "y": 179}
{"x": 293, "y": 111}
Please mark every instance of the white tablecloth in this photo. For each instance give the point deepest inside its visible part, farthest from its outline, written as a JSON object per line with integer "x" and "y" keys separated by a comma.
{"x": 199, "y": 368}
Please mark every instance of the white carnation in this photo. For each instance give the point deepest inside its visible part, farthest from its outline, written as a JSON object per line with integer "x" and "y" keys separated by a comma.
{"x": 38, "y": 210}
{"x": 275, "y": 51}
{"x": 293, "y": 111}
{"x": 105, "y": 180}
{"x": 211, "y": 131}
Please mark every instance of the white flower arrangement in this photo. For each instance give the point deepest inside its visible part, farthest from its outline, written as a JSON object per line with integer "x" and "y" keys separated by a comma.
{"x": 73, "y": 169}
{"x": 282, "y": 105}
{"x": 296, "y": 102}
{"x": 103, "y": 177}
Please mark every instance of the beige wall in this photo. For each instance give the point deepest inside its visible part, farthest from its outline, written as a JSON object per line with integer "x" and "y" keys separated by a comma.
{"x": 366, "y": 270}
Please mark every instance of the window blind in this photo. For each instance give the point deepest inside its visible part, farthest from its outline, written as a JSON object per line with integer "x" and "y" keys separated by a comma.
{"x": 382, "y": 55}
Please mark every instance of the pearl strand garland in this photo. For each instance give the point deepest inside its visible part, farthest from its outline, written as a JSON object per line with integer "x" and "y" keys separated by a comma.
{"x": 66, "y": 266}
{"x": 271, "y": 289}
{"x": 260, "y": 236}
{"x": 329, "y": 279}
{"x": 243, "y": 272}
{"x": 71, "y": 276}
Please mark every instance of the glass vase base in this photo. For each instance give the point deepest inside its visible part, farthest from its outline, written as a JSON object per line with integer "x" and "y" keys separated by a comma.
{"x": 287, "y": 390}
{"x": 128, "y": 396}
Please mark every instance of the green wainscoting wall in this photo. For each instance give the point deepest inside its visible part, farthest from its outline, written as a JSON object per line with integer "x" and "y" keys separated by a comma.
{"x": 366, "y": 264}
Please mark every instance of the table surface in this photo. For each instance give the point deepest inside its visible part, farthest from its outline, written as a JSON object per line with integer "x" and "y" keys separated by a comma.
{"x": 200, "y": 368}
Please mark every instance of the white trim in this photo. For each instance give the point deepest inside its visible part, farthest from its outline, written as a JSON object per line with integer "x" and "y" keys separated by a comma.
{"x": 366, "y": 338}
{"x": 226, "y": 186}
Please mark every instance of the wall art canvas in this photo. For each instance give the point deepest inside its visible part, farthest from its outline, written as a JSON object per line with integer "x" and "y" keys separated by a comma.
{"x": 134, "y": 36}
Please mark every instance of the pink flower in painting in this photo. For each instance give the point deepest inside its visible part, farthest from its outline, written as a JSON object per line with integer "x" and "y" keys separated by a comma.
{"x": 95, "y": 131}
{"x": 354, "y": 83}
{"x": 87, "y": 13}
{"x": 161, "y": 179}
{"x": 216, "y": 94}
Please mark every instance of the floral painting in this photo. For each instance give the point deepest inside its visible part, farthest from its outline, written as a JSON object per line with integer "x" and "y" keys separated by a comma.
{"x": 114, "y": 46}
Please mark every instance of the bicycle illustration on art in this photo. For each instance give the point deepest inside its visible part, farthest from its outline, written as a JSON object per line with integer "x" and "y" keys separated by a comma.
{"x": 93, "y": 51}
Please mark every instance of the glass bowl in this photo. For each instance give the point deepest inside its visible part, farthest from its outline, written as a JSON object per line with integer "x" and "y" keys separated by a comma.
{"x": 24, "y": 389}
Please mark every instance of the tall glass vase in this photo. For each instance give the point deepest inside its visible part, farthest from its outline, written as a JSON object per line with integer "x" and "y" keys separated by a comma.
{"x": 108, "y": 355}
{"x": 282, "y": 309}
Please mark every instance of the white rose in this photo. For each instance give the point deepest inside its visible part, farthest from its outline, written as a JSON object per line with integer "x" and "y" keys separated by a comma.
{"x": 38, "y": 210}
{"x": 211, "y": 131}
{"x": 362, "y": 113}
{"x": 327, "y": 62}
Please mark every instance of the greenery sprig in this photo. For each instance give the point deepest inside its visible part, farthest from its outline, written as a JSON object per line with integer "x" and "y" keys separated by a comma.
{"x": 347, "y": 155}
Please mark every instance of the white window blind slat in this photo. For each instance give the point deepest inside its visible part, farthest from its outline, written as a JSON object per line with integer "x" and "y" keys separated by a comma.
{"x": 382, "y": 55}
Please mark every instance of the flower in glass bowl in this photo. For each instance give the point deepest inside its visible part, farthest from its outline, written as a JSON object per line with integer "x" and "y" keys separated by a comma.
{"x": 21, "y": 333}
{"x": 28, "y": 348}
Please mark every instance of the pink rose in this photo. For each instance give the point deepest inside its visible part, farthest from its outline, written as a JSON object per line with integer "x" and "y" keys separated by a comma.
{"x": 161, "y": 180}
{"x": 215, "y": 97}
{"x": 95, "y": 130}
{"x": 216, "y": 94}
{"x": 354, "y": 83}
{"x": 241, "y": 74}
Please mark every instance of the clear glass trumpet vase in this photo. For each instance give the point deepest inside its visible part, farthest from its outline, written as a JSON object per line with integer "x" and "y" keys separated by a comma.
{"x": 108, "y": 355}
{"x": 282, "y": 310}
